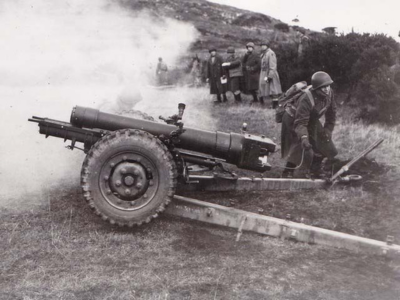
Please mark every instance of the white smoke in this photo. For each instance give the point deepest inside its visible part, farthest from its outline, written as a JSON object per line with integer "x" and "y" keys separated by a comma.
{"x": 84, "y": 42}
{"x": 57, "y": 54}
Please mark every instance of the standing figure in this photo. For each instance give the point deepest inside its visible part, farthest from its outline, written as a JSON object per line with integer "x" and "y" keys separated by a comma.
{"x": 195, "y": 72}
{"x": 215, "y": 75}
{"x": 162, "y": 72}
{"x": 233, "y": 67}
{"x": 302, "y": 41}
{"x": 303, "y": 138}
{"x": 270, "y": 84}
{"x": 251, "y": 71}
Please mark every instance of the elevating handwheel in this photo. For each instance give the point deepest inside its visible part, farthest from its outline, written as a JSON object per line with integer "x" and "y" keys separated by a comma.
{"x": 128, "y": 177}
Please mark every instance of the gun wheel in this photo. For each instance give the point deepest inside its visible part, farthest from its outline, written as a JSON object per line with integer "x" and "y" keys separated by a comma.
{"x": 128, "y": 177}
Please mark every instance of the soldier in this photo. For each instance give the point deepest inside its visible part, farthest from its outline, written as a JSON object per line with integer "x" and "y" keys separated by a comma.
{"x": 233, "y": 65}
{"x": 304, "y": 139}
{"x": 162, "y": 72}
{"x": 195, "y": 72}
{"x": 214, "y": 75}
{"x": 270, "y": 84}
{"x": 251, "y": 71}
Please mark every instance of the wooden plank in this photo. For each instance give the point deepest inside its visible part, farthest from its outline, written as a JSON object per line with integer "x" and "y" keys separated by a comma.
{"x": 247, "y": 221}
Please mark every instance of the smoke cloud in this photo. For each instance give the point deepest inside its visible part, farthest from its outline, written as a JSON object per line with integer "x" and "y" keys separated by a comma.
{"x": 57, "y": 54}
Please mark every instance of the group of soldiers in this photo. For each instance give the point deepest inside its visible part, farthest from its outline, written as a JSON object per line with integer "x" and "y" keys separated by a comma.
{"x": 254, "y": 74}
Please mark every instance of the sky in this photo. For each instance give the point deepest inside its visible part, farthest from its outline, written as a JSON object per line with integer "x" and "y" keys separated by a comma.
{"x": 373, "y": 16}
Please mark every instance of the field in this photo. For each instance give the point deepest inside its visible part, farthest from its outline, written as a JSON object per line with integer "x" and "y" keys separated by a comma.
{"x": 54, "y": 247}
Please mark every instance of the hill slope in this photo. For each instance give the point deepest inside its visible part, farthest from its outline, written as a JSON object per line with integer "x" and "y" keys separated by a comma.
{"x": 220, "y": 25}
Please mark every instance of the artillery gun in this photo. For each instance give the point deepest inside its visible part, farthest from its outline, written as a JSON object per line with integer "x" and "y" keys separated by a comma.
{"x": 132, "y": 166}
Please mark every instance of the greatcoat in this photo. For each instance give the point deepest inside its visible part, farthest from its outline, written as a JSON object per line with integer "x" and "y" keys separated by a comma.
{"x": 214, "y": 74}
{"x": 234, "y": 72}
{"x": 306, "y": 122}
{"x": 251, "y": 71}
{"x": 269, "y": 69}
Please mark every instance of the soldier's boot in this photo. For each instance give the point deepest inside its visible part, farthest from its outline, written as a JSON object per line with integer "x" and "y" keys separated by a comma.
{"x": 238, "y": 98}
{"x": 255, "y": 98}
{"x": 224, "y": 98}
{"x": 316, "y": 170}
{"x": 289, "y": 170}
{"x": 262, "y": 100}
{"x": 218, "y": 98}
{"x": 274, "y": 103}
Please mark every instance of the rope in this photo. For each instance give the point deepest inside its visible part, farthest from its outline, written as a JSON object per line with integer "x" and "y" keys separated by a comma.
{"x": 299, "y": 166}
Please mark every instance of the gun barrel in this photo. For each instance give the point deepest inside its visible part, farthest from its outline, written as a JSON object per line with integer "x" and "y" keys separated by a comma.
{"x": 229, "y": 146}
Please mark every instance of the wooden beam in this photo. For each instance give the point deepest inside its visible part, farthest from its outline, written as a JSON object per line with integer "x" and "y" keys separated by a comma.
{"x": 247, "y": 221}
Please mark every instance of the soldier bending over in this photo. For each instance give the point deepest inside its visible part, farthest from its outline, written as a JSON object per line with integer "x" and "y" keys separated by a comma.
{"x": 304, "y": 139}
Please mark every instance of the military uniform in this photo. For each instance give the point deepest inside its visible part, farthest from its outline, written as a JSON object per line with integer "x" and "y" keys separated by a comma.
{"x": 306, "y": 122}
{"x": 235, "y": 73}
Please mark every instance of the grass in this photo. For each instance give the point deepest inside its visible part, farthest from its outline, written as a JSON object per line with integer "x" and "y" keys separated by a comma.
{"x": 68, "y": 253}
{"x": 61, "y": 250}
{"x": 369, "y": 209}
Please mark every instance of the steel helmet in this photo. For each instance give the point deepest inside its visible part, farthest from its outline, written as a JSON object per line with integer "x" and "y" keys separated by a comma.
{"x": 266, "y": 43}
{"x": 250, "y": 44}
{"x": 212, "y": 49}
{"x": 230, "y": 50}
{"x": 320, "y": 79}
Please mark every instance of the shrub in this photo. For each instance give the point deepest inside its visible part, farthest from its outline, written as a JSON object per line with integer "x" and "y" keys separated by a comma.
{"x": 378, "y": 97}
{"x": 359, "y": 65}
{"x": 251, "y": 20}
{"x": 282, "y": 27}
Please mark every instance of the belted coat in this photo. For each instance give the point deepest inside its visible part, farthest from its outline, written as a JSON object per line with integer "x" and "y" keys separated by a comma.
{"x": 269, "y": 69}
{"x": 234, "y": 72}
{"x": 251, "y": 71}
{"x": 306, "y": 122}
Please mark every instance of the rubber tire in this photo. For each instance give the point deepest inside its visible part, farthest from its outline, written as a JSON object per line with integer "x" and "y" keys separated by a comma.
{"x": 139, "y": 142}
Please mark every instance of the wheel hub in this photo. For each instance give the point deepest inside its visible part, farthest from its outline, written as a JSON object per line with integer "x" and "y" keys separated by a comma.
{"x": 129, "y": 180}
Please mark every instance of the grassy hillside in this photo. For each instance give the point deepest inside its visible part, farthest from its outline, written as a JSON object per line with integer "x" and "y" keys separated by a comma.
{"x": 220, "y": 25}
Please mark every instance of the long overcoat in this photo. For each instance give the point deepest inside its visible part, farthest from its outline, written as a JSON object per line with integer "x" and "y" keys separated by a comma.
{"x": 306, "y": 122}
{"x": 251, "y": 71}
{"x": 269, "y": 69}
{"x": 214, "y": 74}
{"x": 234, "y": 72}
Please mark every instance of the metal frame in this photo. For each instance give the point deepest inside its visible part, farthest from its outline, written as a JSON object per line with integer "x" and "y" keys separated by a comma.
{"x": 213, "y": 183}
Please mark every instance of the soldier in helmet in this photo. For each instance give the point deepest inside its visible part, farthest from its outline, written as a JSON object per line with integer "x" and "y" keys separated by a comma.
{"x": 251, "y": 71}
{"x": 215, "y": 74}
{"x": 233, "y": 67}
{"x": 270, "y": 84}
{"x": 304, "y": 139}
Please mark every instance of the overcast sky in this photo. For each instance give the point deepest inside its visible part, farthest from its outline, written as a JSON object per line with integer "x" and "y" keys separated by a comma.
{"x": 382, "y": 16}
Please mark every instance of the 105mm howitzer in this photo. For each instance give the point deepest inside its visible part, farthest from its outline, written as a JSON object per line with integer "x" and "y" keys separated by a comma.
{"x": 132, "y": 166}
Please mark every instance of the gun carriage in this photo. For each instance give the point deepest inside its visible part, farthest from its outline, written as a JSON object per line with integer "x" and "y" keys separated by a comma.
{"x": 132, "y": 166}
